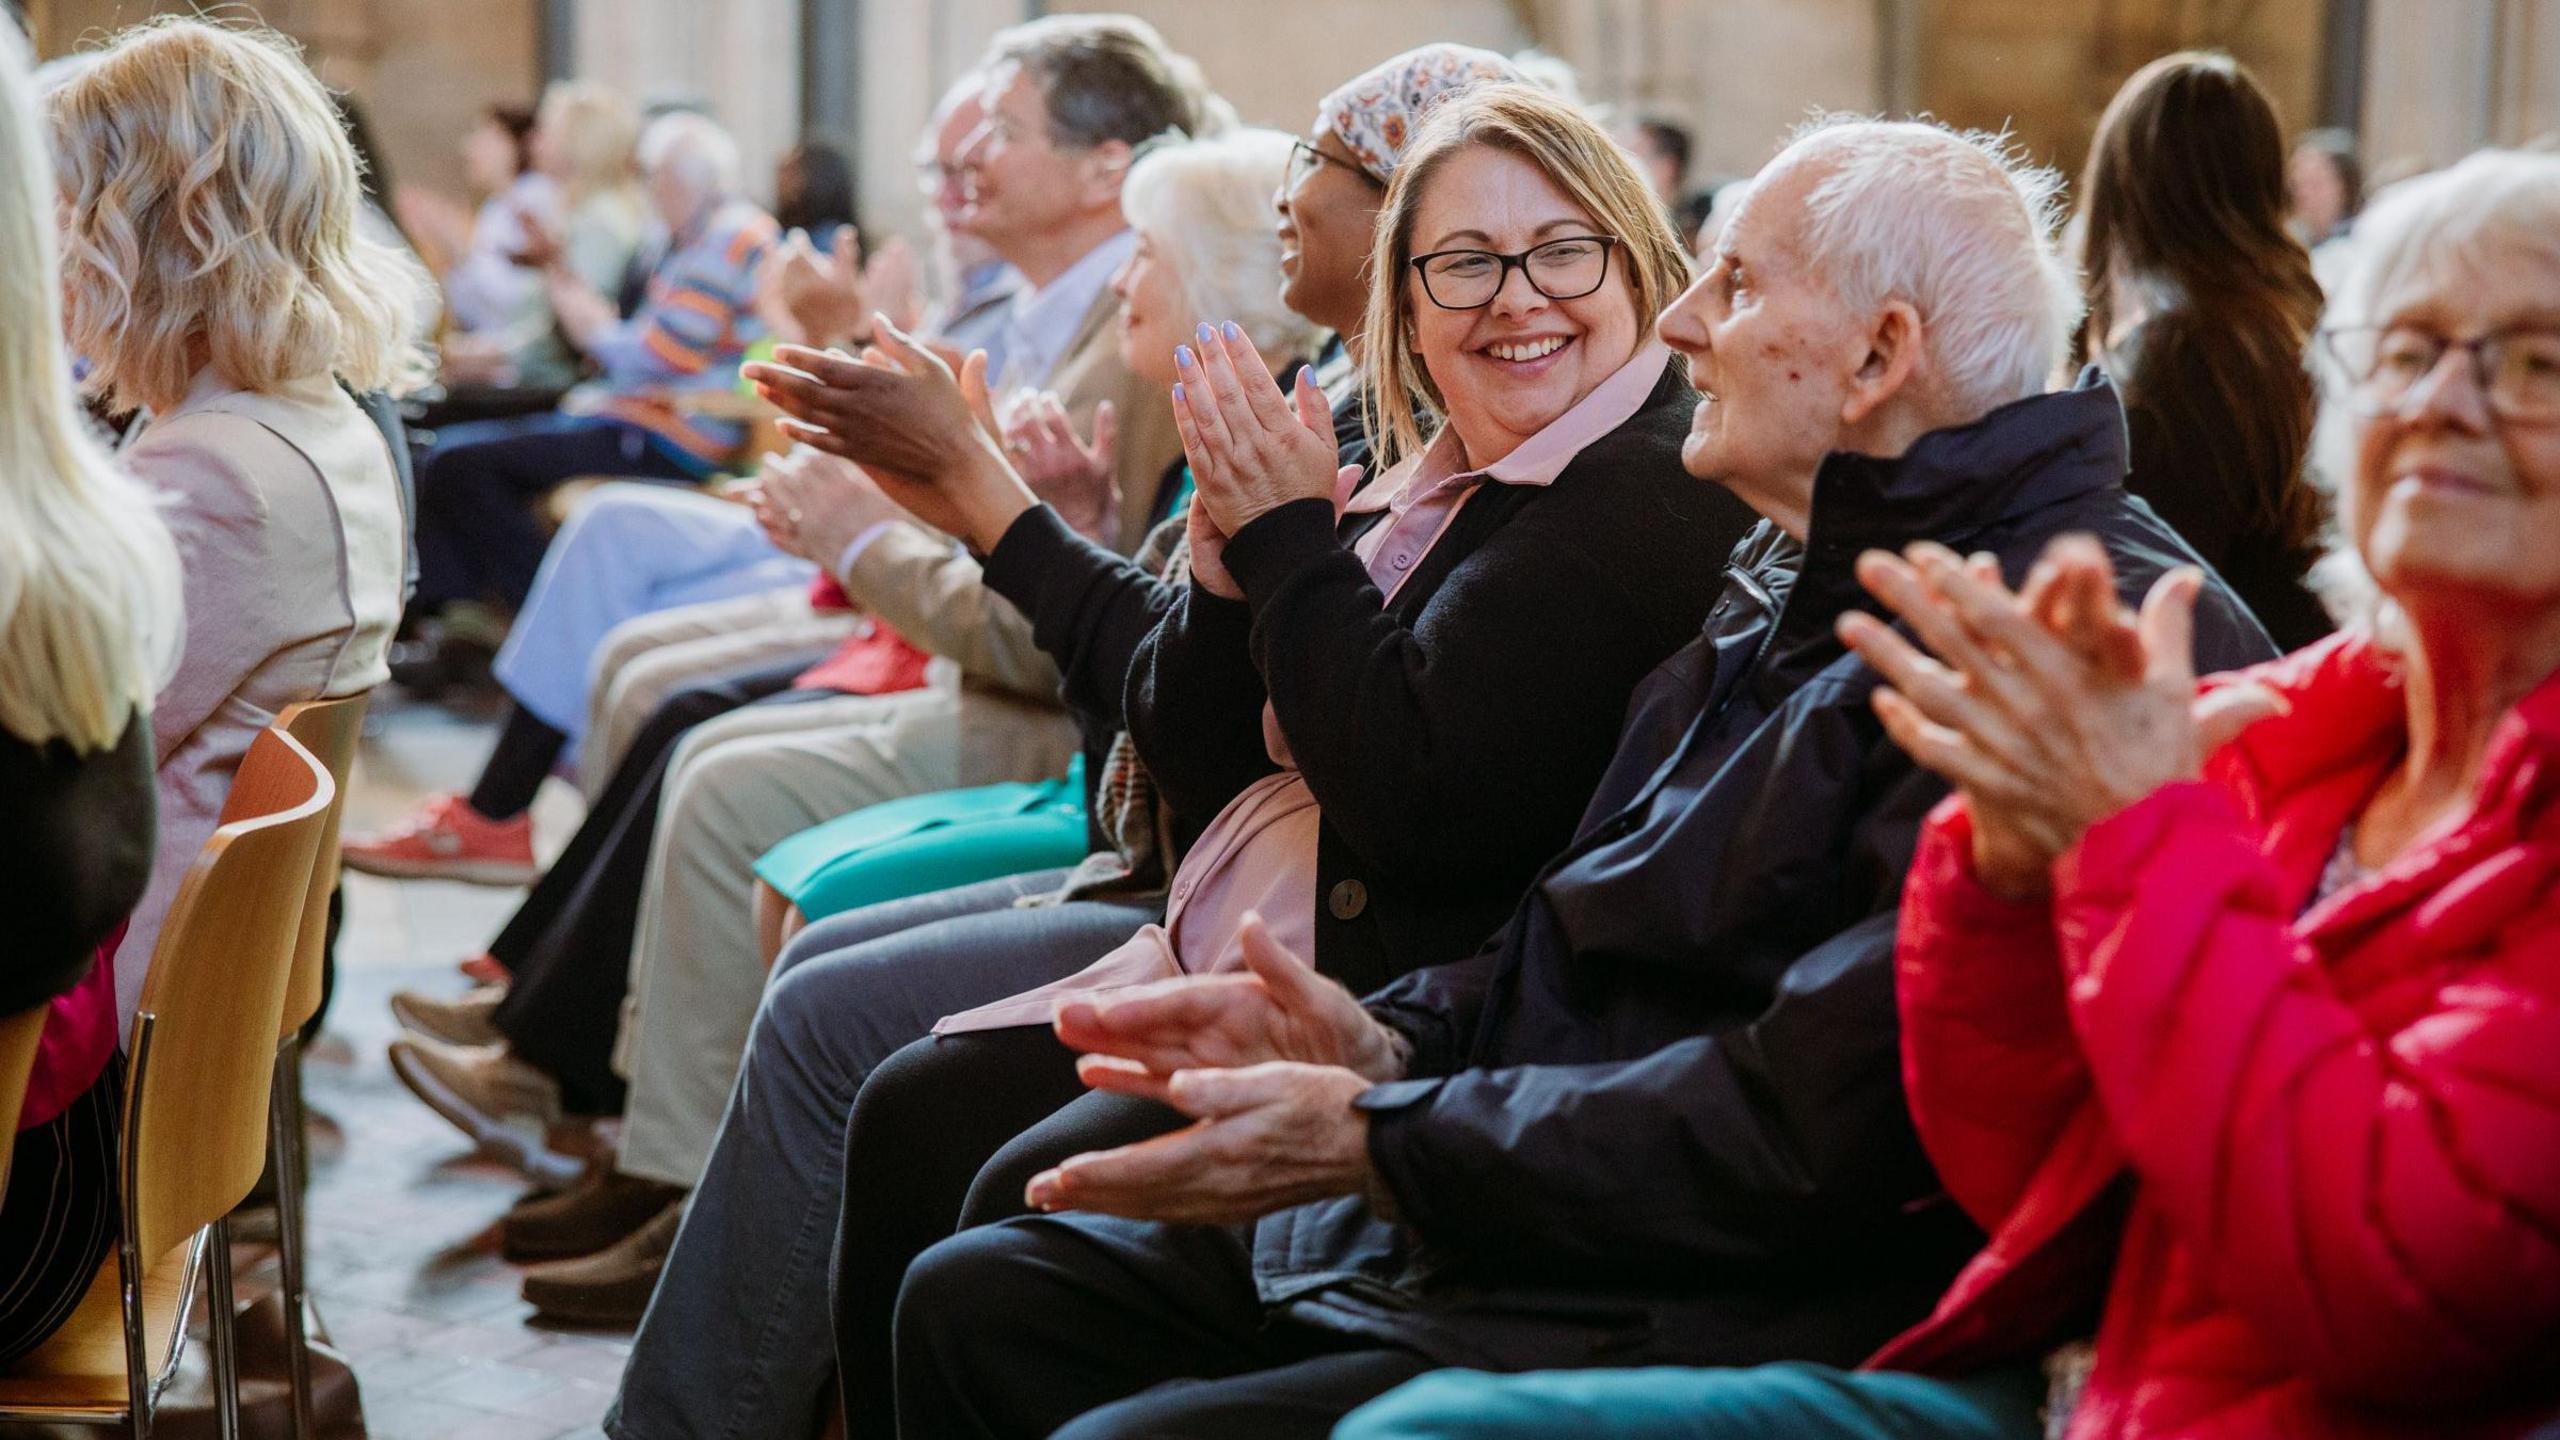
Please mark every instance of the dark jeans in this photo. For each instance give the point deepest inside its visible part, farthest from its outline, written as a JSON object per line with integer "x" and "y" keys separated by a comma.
{"x": 750, "y": 1263}
{"x": 1091, "y": 1327}
{"x": 568, "y": 946}
{"x": 947, "y": 1133}
{"x": 477, "y": 535}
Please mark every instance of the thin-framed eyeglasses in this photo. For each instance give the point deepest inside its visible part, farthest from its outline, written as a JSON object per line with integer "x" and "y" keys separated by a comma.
{"x": 1566, "y": 268}
{"x": 2517, "y": 368}
{"x": 1305, "y": 160}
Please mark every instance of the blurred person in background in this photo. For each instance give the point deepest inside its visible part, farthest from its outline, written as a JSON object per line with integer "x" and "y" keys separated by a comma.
{"x": 478, "y": 539}
{"x": 2201, "y": 309}
{"x": 813, "y": 192}
{"x": 2324, "y": 186}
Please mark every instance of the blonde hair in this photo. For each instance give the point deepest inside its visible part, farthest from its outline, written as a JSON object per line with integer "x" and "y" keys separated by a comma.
{"x": 1575, "y": 153}
{"x": 89, "y": 605}
{"x": 1209, "y": 202}
{"x": 596, "y": 133}
{"x": 210, "y": 203}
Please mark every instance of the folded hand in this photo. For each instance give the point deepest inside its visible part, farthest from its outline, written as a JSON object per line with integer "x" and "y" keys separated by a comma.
{"x": 1277, "y": 1008}
{"x": 1267, "y": 1137}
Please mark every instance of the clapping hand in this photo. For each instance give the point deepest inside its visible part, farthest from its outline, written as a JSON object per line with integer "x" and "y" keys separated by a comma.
{"x": 805, "y": 297}
{"x": 923, "y": 432}
{"x": 1252, "y": 450}
{"x": 582, "y": 312}
{"x": 1080, "y": 481}
{"x": 2051, "y": 709}
{"x": 812, "y": 504}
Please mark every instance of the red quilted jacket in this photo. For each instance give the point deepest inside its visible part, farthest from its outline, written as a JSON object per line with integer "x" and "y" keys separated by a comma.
{"x": 2304, "y": 1165}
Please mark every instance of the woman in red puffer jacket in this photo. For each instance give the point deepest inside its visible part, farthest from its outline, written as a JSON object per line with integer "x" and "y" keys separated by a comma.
{"x": 2261, "y": 1054}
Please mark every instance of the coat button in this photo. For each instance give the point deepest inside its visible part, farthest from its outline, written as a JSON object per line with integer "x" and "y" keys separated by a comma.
{"x": 1348, "y": 899}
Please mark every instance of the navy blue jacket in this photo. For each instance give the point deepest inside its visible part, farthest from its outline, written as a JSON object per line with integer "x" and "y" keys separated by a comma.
{"x": 1660, "y": 1118}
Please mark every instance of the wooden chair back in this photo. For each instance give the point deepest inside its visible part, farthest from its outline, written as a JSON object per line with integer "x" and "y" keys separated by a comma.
{"x": 204, "y": 1040}
{"x": 329, "y": 729}
{"x": 19, "y": 1036}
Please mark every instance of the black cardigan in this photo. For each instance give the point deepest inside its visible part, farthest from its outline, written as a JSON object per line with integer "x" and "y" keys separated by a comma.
{"x": 1091, "y": 606}
{"x": 75, "y": 854}
{"x": 1452, "y": 737}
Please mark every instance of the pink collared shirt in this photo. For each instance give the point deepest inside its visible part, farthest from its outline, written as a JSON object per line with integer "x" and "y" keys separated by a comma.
{"x": 1259, "y": 853}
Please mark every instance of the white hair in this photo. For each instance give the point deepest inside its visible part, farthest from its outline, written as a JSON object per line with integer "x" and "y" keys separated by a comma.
{"x": 1962, "y": 228}
{"x": 2482, "y": 210}
{"x": 701, "y": 155}
{"x": 89, "y": 599}
{"x": 1209, "y": 201}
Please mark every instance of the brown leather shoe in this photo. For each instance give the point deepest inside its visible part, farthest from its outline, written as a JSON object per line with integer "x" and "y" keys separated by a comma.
{"x": 604, "y": 1209}
{"x": 611, "y": 1287}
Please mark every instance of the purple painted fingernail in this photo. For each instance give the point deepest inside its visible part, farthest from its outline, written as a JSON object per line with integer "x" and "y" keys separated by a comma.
{"x": 1234, "y": 331}
{"x": 1182, "y": 356}
{"x": 1204, "y": 332}
{"x": 1177, "y": 390}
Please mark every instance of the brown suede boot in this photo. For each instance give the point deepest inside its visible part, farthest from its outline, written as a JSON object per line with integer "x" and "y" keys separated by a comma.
{"x": 611, "y": 1287}
{"x": 603, "y": 1209}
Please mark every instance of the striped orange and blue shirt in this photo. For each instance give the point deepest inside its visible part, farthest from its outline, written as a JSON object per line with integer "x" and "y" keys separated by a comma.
{"x": 689, "y": 334}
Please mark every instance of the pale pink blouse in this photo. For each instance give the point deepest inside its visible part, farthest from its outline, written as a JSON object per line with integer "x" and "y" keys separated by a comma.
{"x": 1259, "y": 853}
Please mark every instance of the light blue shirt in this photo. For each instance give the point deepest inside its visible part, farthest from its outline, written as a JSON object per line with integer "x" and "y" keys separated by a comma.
{"x": 1043, "y": 321}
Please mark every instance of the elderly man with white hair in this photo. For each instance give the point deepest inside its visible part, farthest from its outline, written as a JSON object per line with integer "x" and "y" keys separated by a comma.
{"x": 477, "y": 538}
{"x": 1659, "y": 1118}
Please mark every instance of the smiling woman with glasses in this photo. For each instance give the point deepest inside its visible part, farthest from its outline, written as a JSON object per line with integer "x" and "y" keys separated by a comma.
{"x": 1567, "y": 268}
{"x": 2516, "y": 370}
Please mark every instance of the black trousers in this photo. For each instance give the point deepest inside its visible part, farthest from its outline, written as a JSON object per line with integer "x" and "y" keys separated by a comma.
{"x": 568, "y": 946}
{"x": 1095, "y": 1328}
{"x": 58, "y": 1221}
{"x": 936, "y": 1140}
{"x": 477, "y": 535}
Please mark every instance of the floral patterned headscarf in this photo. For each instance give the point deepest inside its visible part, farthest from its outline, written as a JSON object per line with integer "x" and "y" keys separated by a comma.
{"x": 1375, "y": 116}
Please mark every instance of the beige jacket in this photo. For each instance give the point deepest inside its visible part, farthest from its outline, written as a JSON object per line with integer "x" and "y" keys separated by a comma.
{"x": 1011, "y": 725}
{"x": 292, "y": 536}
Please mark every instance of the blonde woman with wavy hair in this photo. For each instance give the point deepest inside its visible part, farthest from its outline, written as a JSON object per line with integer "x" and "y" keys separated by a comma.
{"x": 586, "y": 140}
{"x": 214, "y": 275}
{"x": 88, "y": 625}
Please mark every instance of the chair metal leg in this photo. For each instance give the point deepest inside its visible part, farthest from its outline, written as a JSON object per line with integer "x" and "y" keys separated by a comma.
{"x": 287, "y": 1133}
{"x": 137, "y": 1367}
{"x": 226, "y": 1348}
{"x": 141, "y": 1383}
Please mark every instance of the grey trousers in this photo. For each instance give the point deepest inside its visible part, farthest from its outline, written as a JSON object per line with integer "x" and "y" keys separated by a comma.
{"x": 737, "y": 1341}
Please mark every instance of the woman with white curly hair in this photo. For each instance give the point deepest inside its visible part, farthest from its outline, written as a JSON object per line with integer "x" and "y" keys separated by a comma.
{"x": 214, "y": 275}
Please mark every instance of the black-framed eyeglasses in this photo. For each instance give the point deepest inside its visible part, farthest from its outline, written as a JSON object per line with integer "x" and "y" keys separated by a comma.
{"x": 1305, "y": 160}
{"x": 1566, "y": 268}
{"x": 2517, "y": 368}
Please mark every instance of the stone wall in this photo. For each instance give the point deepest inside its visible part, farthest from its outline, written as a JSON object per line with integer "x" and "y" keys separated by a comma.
{"x": 2045, "y": 69}
{"x": 424, "y": 68}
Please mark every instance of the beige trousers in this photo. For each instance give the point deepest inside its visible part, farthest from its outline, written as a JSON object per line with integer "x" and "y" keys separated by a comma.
{"x": 644, "y": 660}
{"x": 738, "y": 786}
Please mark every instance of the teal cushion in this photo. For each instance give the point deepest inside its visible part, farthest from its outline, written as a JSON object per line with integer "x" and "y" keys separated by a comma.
{"x": 925, "y": 843}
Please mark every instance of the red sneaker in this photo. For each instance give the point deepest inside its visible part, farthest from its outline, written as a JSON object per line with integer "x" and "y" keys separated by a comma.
{"x": 445, "y": 839}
